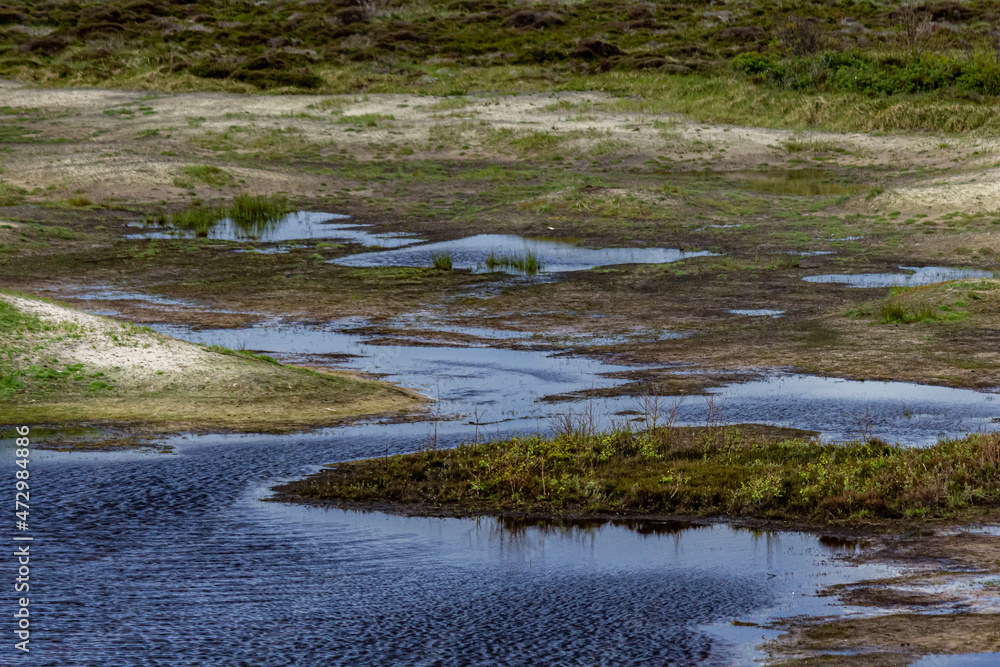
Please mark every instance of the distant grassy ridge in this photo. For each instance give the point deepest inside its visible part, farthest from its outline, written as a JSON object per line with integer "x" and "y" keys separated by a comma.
{"x": 854, "y": 66}
{"x": 748, "y": 472}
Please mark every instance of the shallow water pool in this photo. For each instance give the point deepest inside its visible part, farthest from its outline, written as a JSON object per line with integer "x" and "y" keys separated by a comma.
{"x": 292, "y": 227}
{"x": 554, "y": 256}
{"x": 924, "y": 275}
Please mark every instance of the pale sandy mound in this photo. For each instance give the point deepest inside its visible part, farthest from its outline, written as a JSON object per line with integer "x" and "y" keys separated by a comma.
{"x": 976, "y": 192}
{"x": 106, "y": 344}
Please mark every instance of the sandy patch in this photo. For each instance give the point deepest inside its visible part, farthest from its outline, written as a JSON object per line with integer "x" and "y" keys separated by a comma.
{"x": 977, "y": 191}
{"x": 117, "y": 144}
{"x": 107, "y": 344}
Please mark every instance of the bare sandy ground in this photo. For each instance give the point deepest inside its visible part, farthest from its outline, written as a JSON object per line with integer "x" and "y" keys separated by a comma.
{"x": 132, "y": 146}
{"x": 106, "y": 345}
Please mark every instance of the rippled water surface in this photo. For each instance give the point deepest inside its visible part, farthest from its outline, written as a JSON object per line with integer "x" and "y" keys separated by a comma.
{"x": 173, "y": 560}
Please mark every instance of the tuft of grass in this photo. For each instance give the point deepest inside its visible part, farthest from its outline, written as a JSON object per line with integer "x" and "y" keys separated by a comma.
{"x": 252, "y": 214}
{"x": 249, "y": 209}
{"x": 898, "y": 312}
{"x": 892, "y": 312}
{"x": 11, "y": 195}
{"x": 527, "y": 262}
{"x": 442, "y": 261}
{"x": 208, "y": 174}
{"x": 79, "y": 201}
{"x": 255, "y": 214}
{"x": 200, "y": 218}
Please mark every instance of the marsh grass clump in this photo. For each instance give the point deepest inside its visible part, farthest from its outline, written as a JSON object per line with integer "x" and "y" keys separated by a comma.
{"x": 898, "y": 312}
{"x": 712, "y": 470}
{"x": 255, "y": 214}
{"x": 527, "y": 262}
{"x": 442, "y": 261}
{"x": 258, "y": 208}
{"x": 79, "y": 201}
{"x": 892, "y": 312}
{"x": 208, "y": 174}
{"x": 201, "y": 219}
{"x": 945, "y": 302}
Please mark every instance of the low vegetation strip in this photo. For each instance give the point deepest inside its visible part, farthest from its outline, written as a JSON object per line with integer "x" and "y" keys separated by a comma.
{"x": 865, "y": 66}
{"x": 747, "y": 472}
{"x": 59, "y": 365}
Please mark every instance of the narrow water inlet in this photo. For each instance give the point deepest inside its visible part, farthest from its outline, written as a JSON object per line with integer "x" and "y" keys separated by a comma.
{"x": 757, "y": 312}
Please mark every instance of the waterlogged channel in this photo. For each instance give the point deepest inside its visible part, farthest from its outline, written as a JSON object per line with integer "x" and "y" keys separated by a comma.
{"x": 508, "y": 384}
{"x": 914, "y": 277}
{"x": 153, "y": 559}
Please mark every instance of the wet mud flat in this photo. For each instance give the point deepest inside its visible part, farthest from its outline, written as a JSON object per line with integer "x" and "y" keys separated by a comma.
{"x": 500, "y": 390}
{"x": 488, "y": 346}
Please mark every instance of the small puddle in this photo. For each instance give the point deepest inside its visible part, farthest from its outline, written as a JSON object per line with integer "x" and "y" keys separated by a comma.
{"x": 292, "y": 227}
{"x": 802, "y": 182}
{"x": 924, "y": 275}
{"x": 551, "y": 256}
{"x": 757, "y": 312}
{"x": 962, "y": 660}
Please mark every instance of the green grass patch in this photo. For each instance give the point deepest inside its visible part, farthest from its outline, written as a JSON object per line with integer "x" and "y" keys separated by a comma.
{"x": 945, "y": 302}
{"x": 208, "y": 174}
{"x": 249, "y": 211}
{"x": 689, "y": 471}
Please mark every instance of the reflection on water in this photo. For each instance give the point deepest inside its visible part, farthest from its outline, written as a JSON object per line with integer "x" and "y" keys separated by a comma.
{"x": 507, "y": 386}
{"x": 292, "y": 227}
{"x": 967, "y": 660}
{"x": 174, "y": 560}
{"x": 804, "y": 182}
{"x": 757, "y": 312}
{"x": 924, "y": 275}
{"x": 555, "y": 256}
